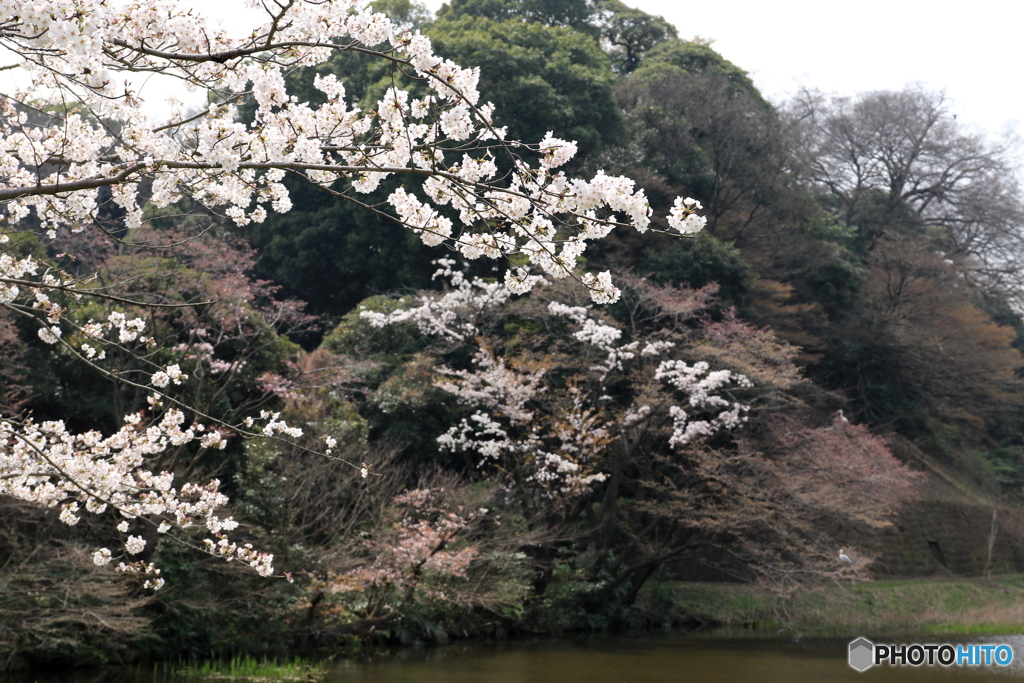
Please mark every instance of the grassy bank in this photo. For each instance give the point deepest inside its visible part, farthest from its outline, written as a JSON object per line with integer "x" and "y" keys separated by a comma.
{"x": 240, "y": 669}
{"x": 951, "y": 606}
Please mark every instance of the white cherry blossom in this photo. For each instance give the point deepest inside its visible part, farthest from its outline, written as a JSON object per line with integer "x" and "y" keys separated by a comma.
{"x": 91, "y": 52}
{"x": 88, "y": 51}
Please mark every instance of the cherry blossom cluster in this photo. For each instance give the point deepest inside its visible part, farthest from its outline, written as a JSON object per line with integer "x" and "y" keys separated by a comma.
{"x": 417, "y": 546}
{"x": 684, "y": 218}
{"x": 89, "y": 51}
{"x": 202, "y": 351}
{"x": 279, "y": 386}
{"x": 697, "y": 382}
{"x": 557, "y": 456}
{"x": 13, "y": 273}
{"x": 93, "y": 338}
{"x": 274, "y": 425}
{"x": 162, "y": 378}
{"x": 88, "y": 473}
{"x": 601, "y": 335}
{"x": 261, "y": 562}
{"x": 36, "y": 297}
{"x": 421, "y": 544}
{"x": 452, "y": 314}
{"x": 553, "y": 457}
{"x": 493, "y": 385}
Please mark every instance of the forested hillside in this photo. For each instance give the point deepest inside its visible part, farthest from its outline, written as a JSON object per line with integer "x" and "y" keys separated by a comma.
{"x": 842, "y": 334}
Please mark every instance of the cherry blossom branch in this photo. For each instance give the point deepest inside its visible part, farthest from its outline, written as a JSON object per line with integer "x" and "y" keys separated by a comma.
{"x": 77, "y": 128}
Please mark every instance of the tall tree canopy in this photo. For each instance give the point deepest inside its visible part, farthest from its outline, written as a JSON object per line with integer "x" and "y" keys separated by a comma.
{"x": 540, "y": 78}
{"x": 578, "y": 14}
{"x": 900, "y": 160}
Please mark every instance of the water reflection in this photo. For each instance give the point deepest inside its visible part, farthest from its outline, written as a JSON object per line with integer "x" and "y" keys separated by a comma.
{"x": 658, "y": 660}
{"x": 647, "y": 659}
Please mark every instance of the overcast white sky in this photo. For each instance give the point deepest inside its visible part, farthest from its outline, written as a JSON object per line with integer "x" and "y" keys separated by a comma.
{"x": 972, "y": 50}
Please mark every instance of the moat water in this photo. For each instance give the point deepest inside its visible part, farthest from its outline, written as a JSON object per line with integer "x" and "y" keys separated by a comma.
{"x": 636, "y": 659}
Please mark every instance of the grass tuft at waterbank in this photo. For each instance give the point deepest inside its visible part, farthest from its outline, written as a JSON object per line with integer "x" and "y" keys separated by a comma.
{"x": 247, "y": 669}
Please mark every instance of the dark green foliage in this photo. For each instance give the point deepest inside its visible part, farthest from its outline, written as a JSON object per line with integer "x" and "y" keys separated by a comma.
{"x": 333, "y": 254}
{"x": 575, "y": 600}
{"x": 695, "y": 57}
{"x": 403, "y": 406}
{"x": 353, "y": 336}
{"x": 833, "y": 282}
{"x": 1007, "y": 458}
{"x": 578, "y": 14}
{"x": 625, "y": 32}
{"x": 698, "y": 262}
{"x": 327, "y": 251}
{"x": 410, "y": 14}
{"x": 875, "y": 216}
{"x": 631, "y": 33}
{"x": 64, "y": 389}
{"x": 540, "y": 78}
{"x": 214, "y": 609}
{"x": 704, "y": 130}
{"x": 823, "y": 264}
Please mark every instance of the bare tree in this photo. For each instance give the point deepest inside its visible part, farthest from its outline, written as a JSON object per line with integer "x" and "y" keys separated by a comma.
{"x": 892, "y": 159}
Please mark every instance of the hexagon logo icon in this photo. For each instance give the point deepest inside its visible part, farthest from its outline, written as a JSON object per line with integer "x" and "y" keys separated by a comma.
{"x": 862, "y": 654}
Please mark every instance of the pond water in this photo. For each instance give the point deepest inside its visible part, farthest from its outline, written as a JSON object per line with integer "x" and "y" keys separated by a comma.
{"x": 645, "y": 659}
{"x": 663, "y": 659}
